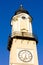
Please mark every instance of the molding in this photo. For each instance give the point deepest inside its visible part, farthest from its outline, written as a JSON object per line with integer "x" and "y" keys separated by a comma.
{"x": 20, "y": 37}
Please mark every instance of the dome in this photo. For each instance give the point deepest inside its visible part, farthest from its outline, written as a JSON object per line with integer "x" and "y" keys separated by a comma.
{"x": 21, "y": 10}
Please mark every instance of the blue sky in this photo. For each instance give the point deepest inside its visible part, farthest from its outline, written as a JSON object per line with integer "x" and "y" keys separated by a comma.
{"x": 7, "y": 10}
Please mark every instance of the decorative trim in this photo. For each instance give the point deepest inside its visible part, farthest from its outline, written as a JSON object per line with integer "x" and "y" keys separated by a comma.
{"x": 19, "y": 37}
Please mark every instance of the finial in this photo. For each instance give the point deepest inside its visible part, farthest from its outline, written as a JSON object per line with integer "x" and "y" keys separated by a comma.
{"x": 21, "y": 7}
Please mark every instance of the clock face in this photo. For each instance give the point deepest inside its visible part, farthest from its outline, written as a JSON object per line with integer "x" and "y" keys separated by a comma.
{"x": 25, "y": 55}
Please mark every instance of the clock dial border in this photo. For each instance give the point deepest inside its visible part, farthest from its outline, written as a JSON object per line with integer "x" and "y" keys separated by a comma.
{"x": 25, "y": 51}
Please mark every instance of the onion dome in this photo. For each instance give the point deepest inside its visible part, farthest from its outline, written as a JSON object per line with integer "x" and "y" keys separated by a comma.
{"x": 21, "y": 10}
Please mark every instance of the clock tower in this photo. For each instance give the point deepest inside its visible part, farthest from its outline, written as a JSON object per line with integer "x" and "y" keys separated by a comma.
{"x": 22, "y": 42}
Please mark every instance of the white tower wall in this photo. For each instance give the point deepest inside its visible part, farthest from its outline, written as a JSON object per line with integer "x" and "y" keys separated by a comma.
{"x": 22, "y": 44}
{"x": 21, "y": 25}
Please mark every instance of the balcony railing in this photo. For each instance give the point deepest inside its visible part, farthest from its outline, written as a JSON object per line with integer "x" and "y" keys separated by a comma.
{"x": 27, "y": 34}
{"x": 21, "y": 35}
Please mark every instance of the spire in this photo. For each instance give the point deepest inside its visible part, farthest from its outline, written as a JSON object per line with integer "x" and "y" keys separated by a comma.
{"x": 21, "y": 10}
{"x": 21, "y": 7}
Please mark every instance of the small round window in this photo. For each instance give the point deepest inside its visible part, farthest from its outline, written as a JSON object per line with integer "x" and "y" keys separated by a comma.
{"x": 23, "y": 17}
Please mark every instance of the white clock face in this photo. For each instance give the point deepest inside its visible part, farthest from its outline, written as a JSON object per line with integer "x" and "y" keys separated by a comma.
{"x": 25, "y": 55}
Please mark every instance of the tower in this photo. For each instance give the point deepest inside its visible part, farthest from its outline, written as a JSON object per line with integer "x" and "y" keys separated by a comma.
{"x": 22, "y": 42}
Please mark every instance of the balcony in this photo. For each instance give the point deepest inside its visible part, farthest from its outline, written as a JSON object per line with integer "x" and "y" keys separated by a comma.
{"x": 21, "y": 35}
{"x": 24, "y": 34}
